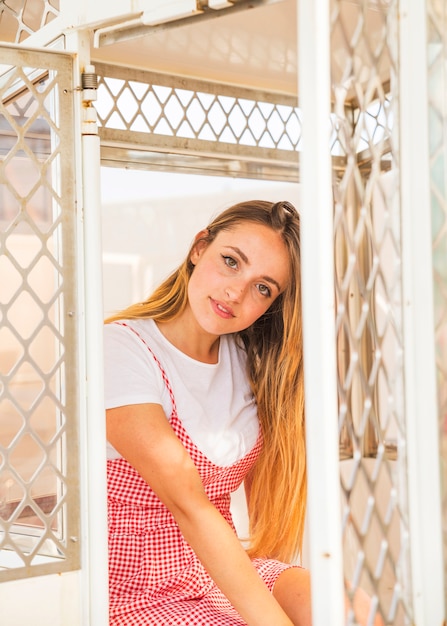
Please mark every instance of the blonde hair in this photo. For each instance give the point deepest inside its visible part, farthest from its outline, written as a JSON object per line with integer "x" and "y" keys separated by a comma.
{"x": 277, "y": 482}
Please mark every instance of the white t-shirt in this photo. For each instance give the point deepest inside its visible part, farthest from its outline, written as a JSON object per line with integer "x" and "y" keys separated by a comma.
{"x": 214, "y": 401}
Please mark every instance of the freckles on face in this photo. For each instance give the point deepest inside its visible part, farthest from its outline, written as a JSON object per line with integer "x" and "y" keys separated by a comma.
{"x": 237, "y": 277}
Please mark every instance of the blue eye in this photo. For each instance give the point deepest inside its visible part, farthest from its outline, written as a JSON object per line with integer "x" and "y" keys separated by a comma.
{"x": 229, "y": 261}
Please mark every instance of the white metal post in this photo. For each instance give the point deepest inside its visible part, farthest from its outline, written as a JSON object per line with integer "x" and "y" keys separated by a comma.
{"x": 94, "y": 549}
{"x": 95, "y": 423}
{"x": 92, "y": 420}
{"x": 324, "y": 503}
{"x": 424, "y": 490}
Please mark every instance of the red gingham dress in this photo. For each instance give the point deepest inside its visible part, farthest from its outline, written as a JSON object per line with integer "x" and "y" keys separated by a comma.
{"x": 155, "y": 578}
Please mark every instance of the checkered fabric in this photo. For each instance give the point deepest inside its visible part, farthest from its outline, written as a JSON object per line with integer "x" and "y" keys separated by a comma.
{"x": 155, "y": 578}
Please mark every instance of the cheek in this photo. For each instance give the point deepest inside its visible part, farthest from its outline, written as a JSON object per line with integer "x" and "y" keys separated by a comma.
{"x": 264, "y": 307}
{"x": 206, "y": 272}
{"x": 258, "y": 308}
{"x": 200, "y": 279}
{"x": 192, "y": 285}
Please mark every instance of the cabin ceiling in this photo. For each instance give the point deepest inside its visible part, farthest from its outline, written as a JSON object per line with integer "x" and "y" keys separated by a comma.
{"x": 253, "y": 48}
{"x": 249, "y": 43}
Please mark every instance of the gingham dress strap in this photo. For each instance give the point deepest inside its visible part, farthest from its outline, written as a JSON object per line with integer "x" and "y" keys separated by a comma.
{"x": 163, "y": 373}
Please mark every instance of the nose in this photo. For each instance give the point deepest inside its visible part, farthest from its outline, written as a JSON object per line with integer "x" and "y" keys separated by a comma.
{"x": 235, "y": 291}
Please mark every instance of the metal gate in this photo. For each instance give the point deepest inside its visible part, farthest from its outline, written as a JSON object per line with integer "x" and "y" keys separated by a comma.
{"x": 39, "y": 404}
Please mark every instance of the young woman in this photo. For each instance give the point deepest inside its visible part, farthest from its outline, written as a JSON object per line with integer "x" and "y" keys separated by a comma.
{"x": 204, "y": 390}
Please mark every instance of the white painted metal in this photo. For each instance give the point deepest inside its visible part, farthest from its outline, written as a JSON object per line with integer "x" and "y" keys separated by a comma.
{"x": 85, "y": 14}
{"x": 93, "y": 458}
{"x": 218, "y": 4}
{"x": 424, "y": 490}
{"x": 40, "y": 546}
{"x": 319, "y": 316}
{"x": 167, "y": 10}
{"x": 55, "y": 599}
{"x": 93, "y": 450}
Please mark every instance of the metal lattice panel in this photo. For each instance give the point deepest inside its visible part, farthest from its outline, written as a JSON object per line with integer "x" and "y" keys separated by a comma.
{"x": 38, "y": 365}
{"x": 169, "y": 122}
{"x": 437, "y": 57}
{"x": 172, "y": 114}
{"x": 369, "y": 315}
{"x": 21, "y": 18}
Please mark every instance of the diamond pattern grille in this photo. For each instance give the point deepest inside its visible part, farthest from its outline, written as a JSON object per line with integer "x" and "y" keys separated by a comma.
{"x": 437, "y": 85}
{"x": 21, "y": 18}
{"x": 38, "y": 484}
{"x": 169, "y": 112}
{"x": 368, "y": 298}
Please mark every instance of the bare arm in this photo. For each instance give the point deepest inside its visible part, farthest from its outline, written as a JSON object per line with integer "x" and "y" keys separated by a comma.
{"x": 142, "y": 434}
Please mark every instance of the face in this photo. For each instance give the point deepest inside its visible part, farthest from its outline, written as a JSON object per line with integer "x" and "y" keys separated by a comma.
{"x": 237, "y": 277}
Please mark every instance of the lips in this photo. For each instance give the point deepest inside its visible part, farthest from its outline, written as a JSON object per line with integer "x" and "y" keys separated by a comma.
{"x": 221, "y": 309}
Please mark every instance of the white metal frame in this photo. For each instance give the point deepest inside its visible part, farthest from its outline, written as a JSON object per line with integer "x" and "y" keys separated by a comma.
{"x": 43, "y": 549}
{"x": 317, "y": 277}
{"x": 424, "y": 490}
{"x": 94, "y": 579}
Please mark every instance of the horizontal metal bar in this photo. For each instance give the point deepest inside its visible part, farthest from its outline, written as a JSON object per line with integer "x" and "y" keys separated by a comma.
{"x": 203, "y": 148}
{"x": 113, "y": 156}
{"x": 108, "y": 37}
{"x": 149, "y": 77}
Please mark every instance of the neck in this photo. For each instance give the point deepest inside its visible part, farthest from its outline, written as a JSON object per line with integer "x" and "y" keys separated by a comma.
{"x": 195, "y": 344}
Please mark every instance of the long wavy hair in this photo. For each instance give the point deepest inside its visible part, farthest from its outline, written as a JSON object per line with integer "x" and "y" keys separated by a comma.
{"x": 277, "y": 482}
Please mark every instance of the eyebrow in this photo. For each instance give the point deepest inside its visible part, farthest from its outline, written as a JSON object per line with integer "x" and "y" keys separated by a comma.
{"x": 244, "y": 257}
